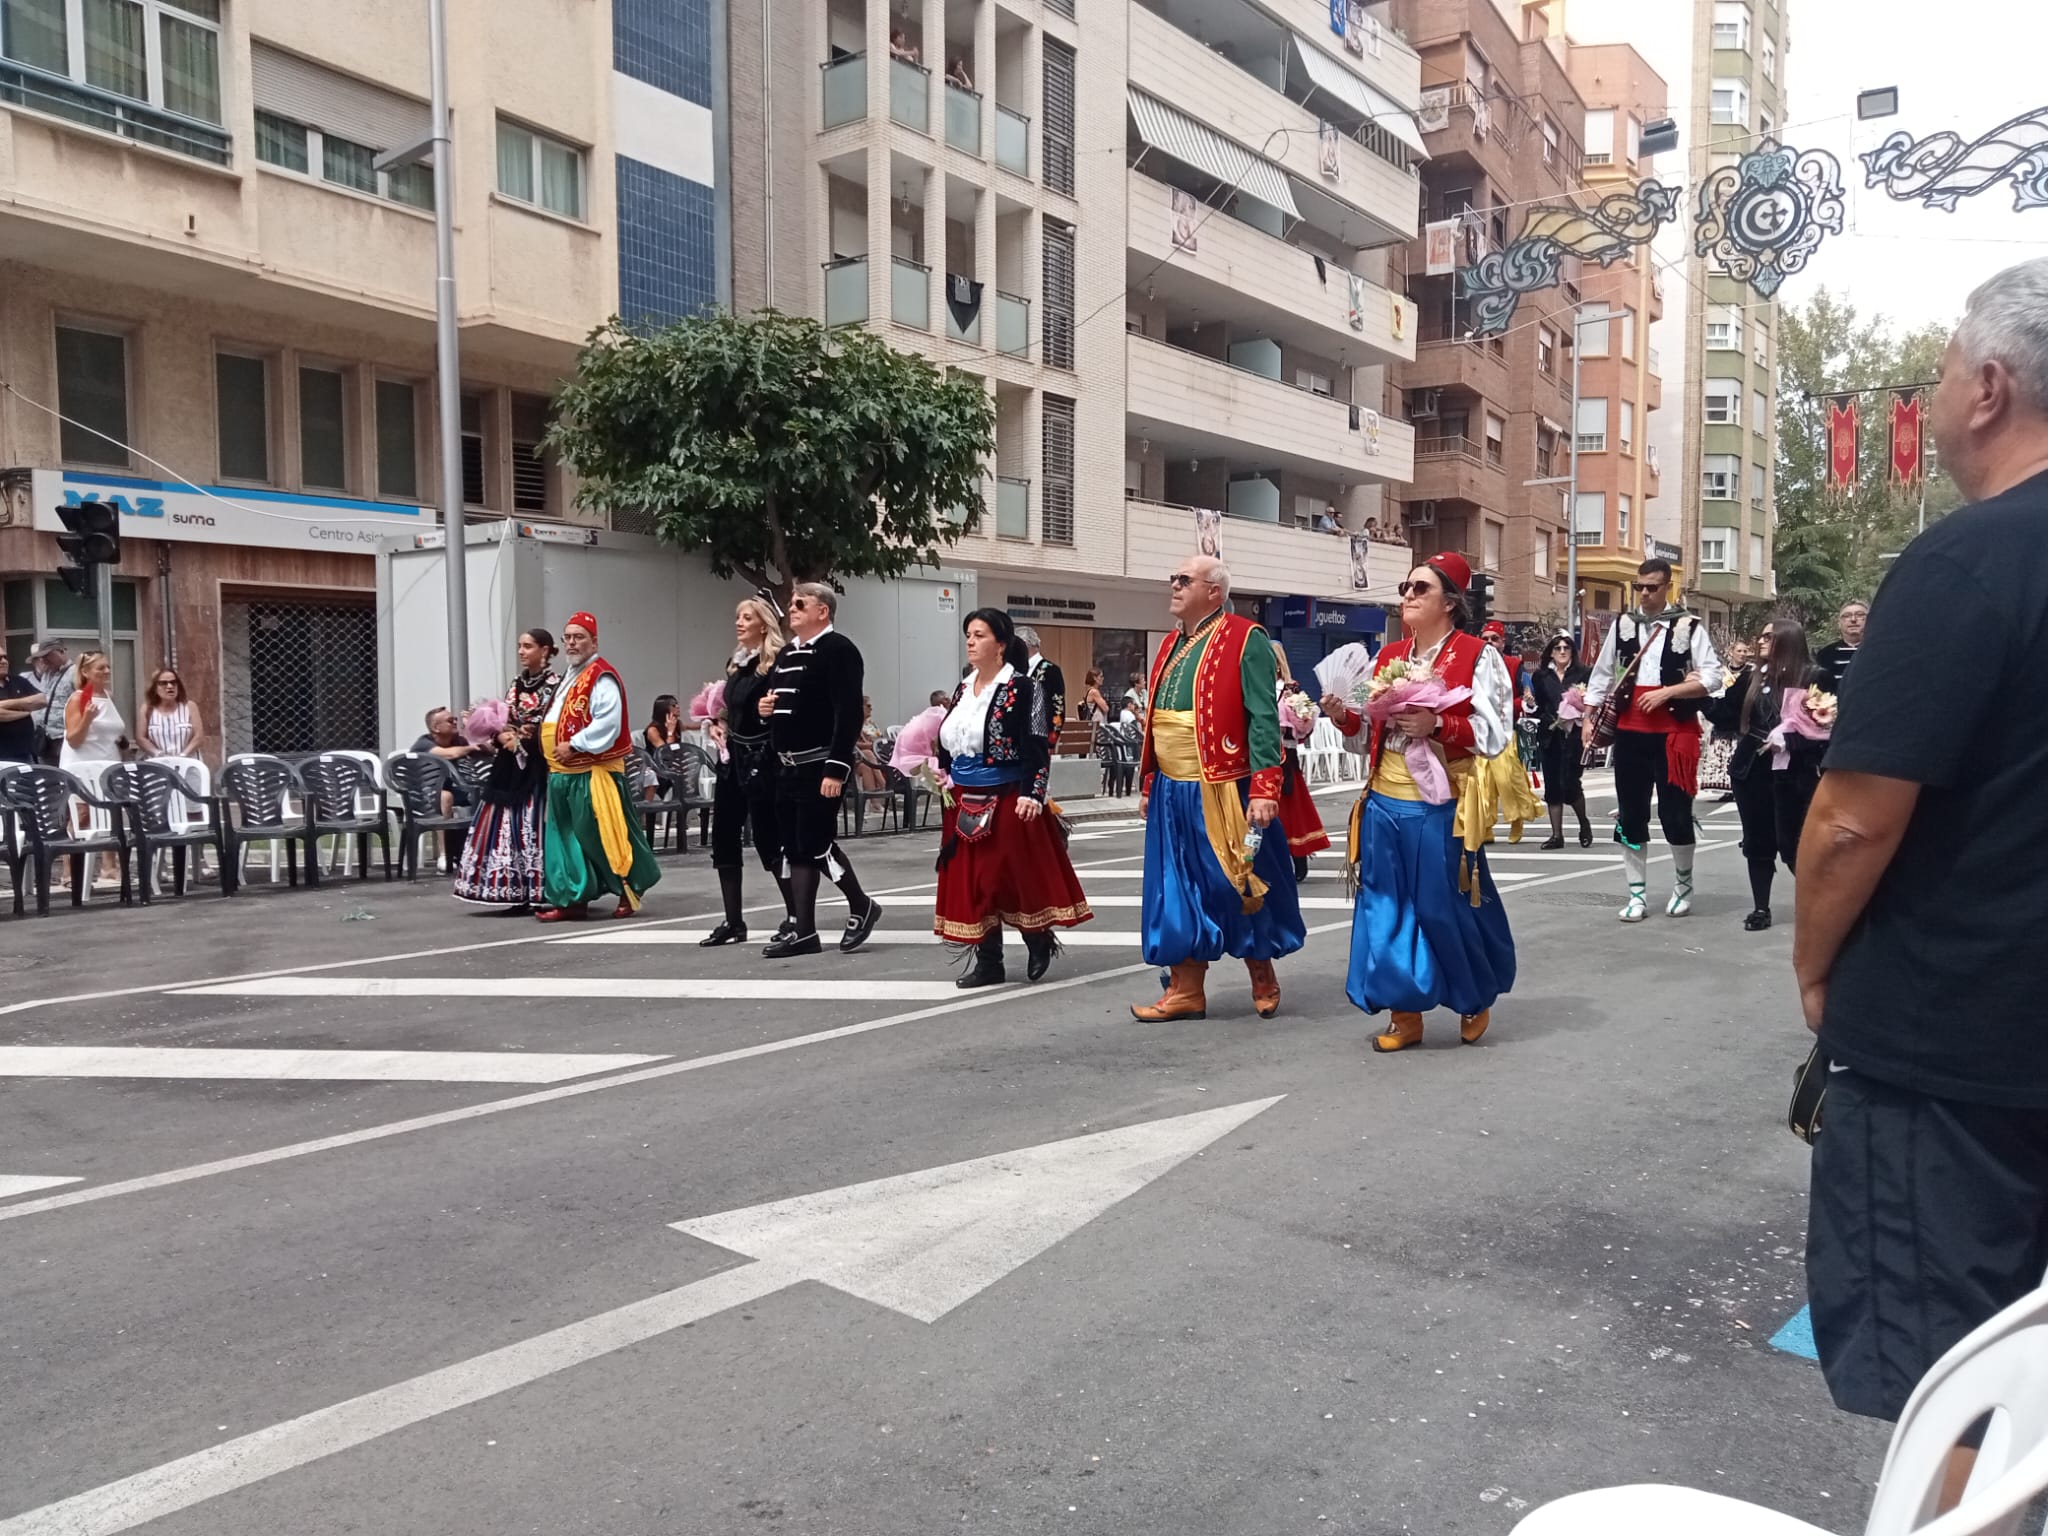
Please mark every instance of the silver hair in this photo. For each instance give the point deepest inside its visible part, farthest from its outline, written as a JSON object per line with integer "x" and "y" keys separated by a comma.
{"x": 821, "y": 593}
{"x": 1030, "y": 637}
{"x": 2007, "y": 320}
{"x": 1215, "y": 571}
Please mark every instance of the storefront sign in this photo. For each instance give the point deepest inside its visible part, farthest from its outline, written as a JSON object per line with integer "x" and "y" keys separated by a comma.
{"x": 1054, "y": 610}
{"x": 1313, "y": 613}
{"x": 221, "y": 514}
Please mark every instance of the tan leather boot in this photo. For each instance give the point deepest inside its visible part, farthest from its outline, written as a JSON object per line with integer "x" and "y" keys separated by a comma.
{"x": 1472, "y": 1025}
{"x": 1265, "y": 988}
{"x": 1405, "y": 1030}
{"x": 1184, "y": 998}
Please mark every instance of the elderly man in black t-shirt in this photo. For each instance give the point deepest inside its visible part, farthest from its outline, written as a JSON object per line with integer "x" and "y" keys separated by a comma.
{"x": 1922, "y": 948}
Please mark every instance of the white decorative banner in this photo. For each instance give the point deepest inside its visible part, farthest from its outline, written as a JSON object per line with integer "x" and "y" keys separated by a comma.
{"x": 1440, "y": 248}
{"x": 1434, "y": 114}
{"x": 1183, "y": 221}
{"x": 1326, "y": 143}
{"x": 1209, "y": 533}
{"x": 1372, "y": 433}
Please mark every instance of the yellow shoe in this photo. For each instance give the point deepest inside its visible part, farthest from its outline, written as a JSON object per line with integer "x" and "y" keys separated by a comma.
{"x": 1184, "y": 998}
{"x": 1472, "y": 1025}
{"x": 1406, "y": 1031}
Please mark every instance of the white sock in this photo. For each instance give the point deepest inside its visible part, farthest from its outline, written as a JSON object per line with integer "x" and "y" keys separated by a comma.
{"x": 1681, "y": 861}
{"x": 1636, "y": 862}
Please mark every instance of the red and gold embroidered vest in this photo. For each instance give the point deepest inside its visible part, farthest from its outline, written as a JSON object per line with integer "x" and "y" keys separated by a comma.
{"x": 575, "y": 718}
{"x": 1457, "y": 663}
{"x": 1222, "y": 729}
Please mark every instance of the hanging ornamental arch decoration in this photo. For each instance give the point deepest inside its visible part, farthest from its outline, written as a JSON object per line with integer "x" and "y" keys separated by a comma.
{"x": 1604, "y": 233}
{"x": 1939, "y": 170}
{"x": 1763, "y": 217}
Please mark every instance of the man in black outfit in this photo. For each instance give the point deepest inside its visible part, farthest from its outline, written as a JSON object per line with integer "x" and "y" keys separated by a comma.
{"x": 1833, "y": 660}
{"x": 813, "y": 708}
{"x": 1922, "y": 948}
{"x": 1052, "y": 682}
{"x": 21, "y": 705}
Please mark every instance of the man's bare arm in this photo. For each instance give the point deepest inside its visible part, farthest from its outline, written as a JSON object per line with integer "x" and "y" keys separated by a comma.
{"x": 1852, "y": 832}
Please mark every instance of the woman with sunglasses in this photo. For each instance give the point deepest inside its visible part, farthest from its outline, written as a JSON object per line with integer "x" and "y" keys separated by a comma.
{"x": 1562, "y": 753}
{"x": 1429, "y": 929}
{"x": 1770, "y": 801}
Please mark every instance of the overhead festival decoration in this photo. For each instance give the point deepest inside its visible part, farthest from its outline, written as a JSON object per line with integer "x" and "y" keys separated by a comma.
{"x": 1844, "y": 443}
{"x": 1763, "y": 216}
{"x": 1907, "y": 420}
{"x": 1941, "y": 169}
{"x": 1604, "y": 233}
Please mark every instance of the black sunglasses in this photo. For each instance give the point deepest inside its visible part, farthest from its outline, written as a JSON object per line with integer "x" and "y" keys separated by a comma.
{"x": 1415, "y": 588}
{"x": 1649, "y": 586}
{"x": 1177, "y": 581}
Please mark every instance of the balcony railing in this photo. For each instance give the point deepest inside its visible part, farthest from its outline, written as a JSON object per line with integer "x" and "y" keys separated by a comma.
{"x": 846, "y": 89}
{"x": 1451, "y": 446}
{"x": 1013, "y": 323}
{"x": 1013, "y": 140}
{"x": 1588, "y": 536}
{"x": 1013, "y": 508}
{"x": 910, "y": 92}
{"x": 971, "y": 331}
{"x": 21, "y": 85}
{"x": 963, "y": 119}
{"x": 910, "y": 293}
{"x": 846, "y": 291}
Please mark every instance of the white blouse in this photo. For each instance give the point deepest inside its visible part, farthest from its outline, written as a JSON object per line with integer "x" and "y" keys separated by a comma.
{"x": 965, "y": 731}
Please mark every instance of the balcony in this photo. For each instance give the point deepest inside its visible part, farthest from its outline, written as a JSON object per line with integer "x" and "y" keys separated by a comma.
{"x": 1473, "y": 136}
{"x": 1013, "y": 324}
{"x": 910, "y": 293}
{"x": 970, "y": 332}
{"x": 1263, "y": 557}
{"x": 22, "y": 85}
{"x": 1457, "y": 468}
{"x": 1013, "y": 140}
{"x": 846, "y": 90}
{"x": 1393, "y": 69}
{"x": 1187, "y": 403}
{"x": 963, "y": 119}
{"x": 1260, "y": 281}
{"x": 1468, "y": 366}
{"x": 846, "y": 291}
{"x": 910, "y": 95}
{"x": 1013, "y": 508}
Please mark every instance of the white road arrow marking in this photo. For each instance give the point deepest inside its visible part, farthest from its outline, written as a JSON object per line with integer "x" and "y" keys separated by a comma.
{"x": 22, "y": 1183}
{"x": 920, "y": 1243}
{"x": 741, "y": 989}
{"x": 307, "y": 1066}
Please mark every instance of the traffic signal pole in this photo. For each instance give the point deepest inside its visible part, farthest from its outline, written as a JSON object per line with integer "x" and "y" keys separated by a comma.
{"x": 103, "y": 603}
{"x": 448, "y": 350}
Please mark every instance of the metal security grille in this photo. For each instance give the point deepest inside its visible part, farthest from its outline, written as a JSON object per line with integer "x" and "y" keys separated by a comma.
{"x": 1059, "y": 295}
{"x": 1057, "y": 135}
{"x": 1056, "y": 517}
{"x": 298, "y": 677}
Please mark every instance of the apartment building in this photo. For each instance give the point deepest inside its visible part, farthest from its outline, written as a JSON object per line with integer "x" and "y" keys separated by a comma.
{"x": 1731, "y": 393}
{"x": 1504, "y": 127}
{"x": 217, "y": 311}
{"x": 1620, "y": 382}
{"x": 1157, "y": 231}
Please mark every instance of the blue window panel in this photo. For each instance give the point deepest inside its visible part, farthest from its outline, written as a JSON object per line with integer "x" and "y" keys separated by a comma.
{"x": 666, "y": 44}
{"x": 668, "y": 251}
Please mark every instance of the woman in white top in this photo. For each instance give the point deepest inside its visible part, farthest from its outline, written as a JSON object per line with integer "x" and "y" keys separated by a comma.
{"x": 171, "y": 726}
{"x": 94, "y": 731}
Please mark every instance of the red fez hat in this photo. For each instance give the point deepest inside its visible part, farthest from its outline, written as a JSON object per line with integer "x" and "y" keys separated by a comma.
{"x": 1453, "y": 568}
{"x": 1495, "y": 627}
{"x": 584, "y": 621}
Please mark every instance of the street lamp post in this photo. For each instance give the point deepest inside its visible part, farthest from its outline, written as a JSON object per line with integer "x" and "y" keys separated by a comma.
{"x": 1571, "y": 482}
{"x": 447, "y": 350}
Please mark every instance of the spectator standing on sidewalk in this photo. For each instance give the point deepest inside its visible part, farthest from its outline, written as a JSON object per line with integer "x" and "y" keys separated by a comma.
{"x": 21, "y": 713}
{"x": 1919, "y": 953}
{"x": 49, "y": 670}
{"x": 1833, "y": 660}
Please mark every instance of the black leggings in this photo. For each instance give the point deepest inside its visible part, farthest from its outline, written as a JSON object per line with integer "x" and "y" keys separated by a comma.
{"x": 1640, "y": 766}
{"x": 1772, "y": 805}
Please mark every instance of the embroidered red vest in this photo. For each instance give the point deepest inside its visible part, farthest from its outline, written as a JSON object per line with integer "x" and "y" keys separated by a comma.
{"x": 1457, "y": 664}
{"x": 1222, "y": 727}
{"x": 575, "y": 718}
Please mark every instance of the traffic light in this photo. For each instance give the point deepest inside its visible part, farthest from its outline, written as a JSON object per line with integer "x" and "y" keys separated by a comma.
{"x": 1482, "y": 602}
{"x": 92, "y": 537}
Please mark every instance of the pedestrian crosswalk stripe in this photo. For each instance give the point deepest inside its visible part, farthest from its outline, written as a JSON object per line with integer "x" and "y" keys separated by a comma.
{"x": 23, "y": 1183}
{"x": 1078, "y": 938}
{"x": 309, "y": 1066}
{"x": 1320, "y": 876}
{"x": 652, "y": 988}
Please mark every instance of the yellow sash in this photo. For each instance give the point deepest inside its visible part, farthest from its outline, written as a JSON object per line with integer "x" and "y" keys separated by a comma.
{"x": 606, "y": 803}
{"x": 1174, "y": 753}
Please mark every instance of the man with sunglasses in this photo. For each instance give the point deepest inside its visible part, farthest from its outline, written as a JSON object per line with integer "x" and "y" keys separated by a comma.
{"x": 1218, "y": 877}
{"x": 1659, "y": 665}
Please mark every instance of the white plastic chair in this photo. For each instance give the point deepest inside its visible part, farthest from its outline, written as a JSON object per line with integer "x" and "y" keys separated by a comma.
{"x": 2001, "y": 1369}
{"x": 199, "y": 780}
{"x": 1320, "y": 753}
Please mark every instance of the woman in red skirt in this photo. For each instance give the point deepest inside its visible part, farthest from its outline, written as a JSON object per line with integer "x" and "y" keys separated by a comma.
{"x": 1001, "y": 858}
{"x": 1299, "y": 817}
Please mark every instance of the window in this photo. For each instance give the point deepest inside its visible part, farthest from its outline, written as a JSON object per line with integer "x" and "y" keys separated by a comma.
{"x": 1628, "y": 334}
{"x": 348, "y": 165}
{"x": 323, "y": 429}
{"x": 533, "y": 168}
{"x": 1756, "y": 555}
{"x": 1731, "y": 25}
{"x": 1627, "y": 433}
{"x": 1056, "y": 464}
{"x": 1496, "y": 436}
{"x": 1546, "y": 450}
{"x": 530, "y": 476}
{"x": 1541, "y": 563}
{"x": 1622, "y": 507}
{"x": 1592, "y": 325}
{"x": 1759, "y": 480}
{"x": 1717, "y": 476}
{"x": 1550, "y": 142}
{"x": 1546, "y": 350}
{"x": 1714, "y": 551}
{"x": 1724, "y": 329}
{"x": 314, "y": 122}
{"x": 292, "y": 146}
{"x": 1724, "y": 402}
{"x": 1490, "y": 549}
{"x": 1600, "y": 137}
{"x": 1315, "y": 383}
{"x": 1763, "y": 350}
{"x": 1759, "y": 413}
{"x": 92, "y": 390}
{"x": 474, "y": 480}
{"x": 1731, "y": 102}
{"x": 1592, "y": 425}
{"x": 1766, "y": 124}
{"x": 1635, "y": 139}
{"x": 1056, "y": 294}
{"x": 242, "y": 410}
{"x": 1767, "y": 58}
{"x": 398, "y": 453}
{"x": 1589, "y": 518}
{"x": 162, "y": 52}
{"x": 1056, "y": 128}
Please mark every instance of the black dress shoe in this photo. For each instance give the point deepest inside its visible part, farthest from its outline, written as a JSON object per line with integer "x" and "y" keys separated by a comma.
{"x": 858, "y": 928}
{"x": 1553, "y": 842}
{"x": 724, "y": 933}
{"x": 1585, "y": 836}
{"x": 982, "y": 976}
{"x": 782, "y": 946}
{"x": 1758, "y": 920}
{"x": 1039, "y": 948}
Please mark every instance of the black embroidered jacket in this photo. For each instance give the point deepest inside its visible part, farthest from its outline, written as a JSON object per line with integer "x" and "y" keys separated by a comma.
{"x": 1018, "y": 732}
{"x": 817, "y": 700}
{"x": 1052, "y": 682}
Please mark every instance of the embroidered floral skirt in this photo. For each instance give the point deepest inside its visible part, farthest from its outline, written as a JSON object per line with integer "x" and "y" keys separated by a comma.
{"x": 502, "y": 860}
{"x": 1018, "y": 874}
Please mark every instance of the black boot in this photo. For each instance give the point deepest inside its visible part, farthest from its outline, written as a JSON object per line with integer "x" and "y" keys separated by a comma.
{"x": 734, "y": 929}
{"x": 803, "y": 892}
{"x": 1300, "y": 868}
{"x": 1039, "y": 949}
{"x": 1585, "y": 829}
{"x": 988, "y": 963}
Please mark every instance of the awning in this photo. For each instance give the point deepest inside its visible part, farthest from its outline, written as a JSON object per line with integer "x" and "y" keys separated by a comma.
{"x": 1180, "y": 136}
{"x": 1367, "y": 101}
{"x": 1338, "y": 218}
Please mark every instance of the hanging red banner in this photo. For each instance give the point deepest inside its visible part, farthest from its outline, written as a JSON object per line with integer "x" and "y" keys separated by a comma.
{"x": 1843, "y": 443}
{"x": 1907, "y": 419}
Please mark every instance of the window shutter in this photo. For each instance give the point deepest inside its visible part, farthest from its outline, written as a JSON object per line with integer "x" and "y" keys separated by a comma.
{"x": 288, "y": 86}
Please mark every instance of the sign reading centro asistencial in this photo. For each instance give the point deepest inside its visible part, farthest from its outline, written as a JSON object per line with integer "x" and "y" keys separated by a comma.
{"x": 228, "y": 514}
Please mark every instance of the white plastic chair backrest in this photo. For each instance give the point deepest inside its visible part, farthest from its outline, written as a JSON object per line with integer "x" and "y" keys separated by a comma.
{"x": 2003, "y": 1366}
{"x": 93, "y": 821}
{"x": 198, "y": 779}
{"x": 366, "y": 805}
{"x": 1325, "y": 736}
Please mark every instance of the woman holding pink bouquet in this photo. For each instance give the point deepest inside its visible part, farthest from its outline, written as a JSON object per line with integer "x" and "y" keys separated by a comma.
{"x": 1299, "y": 818}
{"x": 1782, "y": 721}
{"x": 1429, "y": 929}
{"x": 1559, "y": 686}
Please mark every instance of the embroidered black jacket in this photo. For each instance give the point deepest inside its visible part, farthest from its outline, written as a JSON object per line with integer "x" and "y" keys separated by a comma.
{"x": 1019, "y": 732}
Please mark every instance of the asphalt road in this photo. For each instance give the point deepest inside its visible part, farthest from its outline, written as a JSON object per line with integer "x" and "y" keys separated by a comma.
{"x": 1415, "y": 1293}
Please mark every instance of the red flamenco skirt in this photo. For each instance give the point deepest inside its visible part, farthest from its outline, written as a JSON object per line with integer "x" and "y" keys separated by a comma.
{"x": 1299, "y": 817}
{"x": 1018, "y": 873}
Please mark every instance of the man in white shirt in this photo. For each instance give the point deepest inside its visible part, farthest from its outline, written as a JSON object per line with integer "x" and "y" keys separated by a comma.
{"x": 1661, "y": 663}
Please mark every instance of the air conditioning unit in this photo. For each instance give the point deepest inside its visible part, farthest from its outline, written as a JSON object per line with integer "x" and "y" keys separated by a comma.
{"x": 1419, "y": 514}
{"x": 1424, "y": 404}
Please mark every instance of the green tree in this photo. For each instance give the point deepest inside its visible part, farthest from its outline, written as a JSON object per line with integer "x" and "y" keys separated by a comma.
{"x": 1830, "y": 546}
{"x": 782, "y": 451}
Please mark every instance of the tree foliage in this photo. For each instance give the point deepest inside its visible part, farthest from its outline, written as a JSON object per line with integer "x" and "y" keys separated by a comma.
{"x": 1829, "y": 545}
{"x": 782, "y": 451}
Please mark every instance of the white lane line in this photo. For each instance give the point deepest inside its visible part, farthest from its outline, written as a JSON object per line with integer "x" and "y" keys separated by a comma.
{"x": 309, "y": 1066}
{"x": 22, "y": 1183}
{"x": 745, "y": 989}
{"x": 1073, "y": 938}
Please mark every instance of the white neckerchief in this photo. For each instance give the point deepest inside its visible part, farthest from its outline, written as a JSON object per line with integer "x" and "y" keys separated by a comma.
{"x": 965, "y": 731}
{"x": 804, "y": 645}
